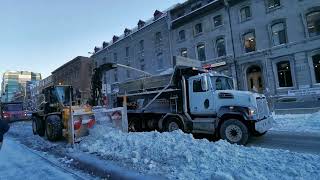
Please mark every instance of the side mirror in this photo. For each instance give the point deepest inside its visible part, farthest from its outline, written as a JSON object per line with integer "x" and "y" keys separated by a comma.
{"x": 204, "y": 83}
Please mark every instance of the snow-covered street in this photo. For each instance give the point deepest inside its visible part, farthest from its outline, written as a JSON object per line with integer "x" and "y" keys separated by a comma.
{"x": 290, "y": 150}
{"x": 18, "y": 162}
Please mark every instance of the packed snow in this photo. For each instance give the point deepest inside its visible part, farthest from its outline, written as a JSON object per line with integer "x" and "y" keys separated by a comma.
{"x": 298, "y": 122}
{"x": 16, "y": 162}
{"x": 177, "y": 155}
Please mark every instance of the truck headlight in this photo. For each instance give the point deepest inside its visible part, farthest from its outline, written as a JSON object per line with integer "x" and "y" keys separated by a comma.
{"x": 252, "y": 111}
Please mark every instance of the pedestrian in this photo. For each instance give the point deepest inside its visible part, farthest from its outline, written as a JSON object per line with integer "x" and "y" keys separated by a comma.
{"x": 4, "y": 127}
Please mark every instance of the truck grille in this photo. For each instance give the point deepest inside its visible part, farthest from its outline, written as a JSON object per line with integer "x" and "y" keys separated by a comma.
{"x": 263, "y": 109}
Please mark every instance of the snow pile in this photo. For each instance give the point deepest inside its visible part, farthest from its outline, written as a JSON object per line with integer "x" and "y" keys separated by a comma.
{"x": 298, "y": 122}
{"x": 179, "y": 156}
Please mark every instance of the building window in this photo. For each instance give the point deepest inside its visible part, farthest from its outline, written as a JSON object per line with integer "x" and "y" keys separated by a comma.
{"x": 313, "y": 23}
{"x": 182, "y": 35}
{"x": 245, "y": 13}
{"x": 184, "y": 52}
{"x": 249, "y": 42}
{"x": 115, "y": 57}
{"x": 127, "y": 51}
{"x": 201, "y": 52}
{"x": 279, "y": 34}
{"x": 217, "y": 21}
{"x": 115, "y": 75}
{"x": 160, "y": 61}
{"x": 221, "y": 47}
{"x": 284, "y": 74}
{"x": 273, "y": 4}
{"x": 198, "y": 28}
{"x": 158, "y": 38}
{"x": 316, "y": 66}
{"x": 142, "y": 64}
{"x": 141, "y": 45}
{"x": 128, "y": 72}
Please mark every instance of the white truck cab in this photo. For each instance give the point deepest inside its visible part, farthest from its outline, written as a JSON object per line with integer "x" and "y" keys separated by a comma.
{"x": 213, "y": 95}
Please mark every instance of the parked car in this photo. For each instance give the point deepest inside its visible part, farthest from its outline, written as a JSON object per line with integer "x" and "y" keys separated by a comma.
{"x": 13, "y": 111}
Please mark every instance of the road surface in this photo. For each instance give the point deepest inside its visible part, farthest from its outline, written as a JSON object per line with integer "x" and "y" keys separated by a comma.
{"x": 18, "y": 162}
{"x": 295, "y": 142}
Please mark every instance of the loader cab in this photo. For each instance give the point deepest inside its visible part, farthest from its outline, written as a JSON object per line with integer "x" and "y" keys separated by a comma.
{"x": 202, "y": 92}
{"x": 57, "y": 97}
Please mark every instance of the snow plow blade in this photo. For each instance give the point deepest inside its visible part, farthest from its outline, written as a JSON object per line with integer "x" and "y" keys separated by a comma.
{"x": 116, "y": 117}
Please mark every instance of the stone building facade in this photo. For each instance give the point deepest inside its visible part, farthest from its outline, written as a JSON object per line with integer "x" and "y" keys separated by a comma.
{"x": 269, "y": 46}
{"x": 76, "y": 73}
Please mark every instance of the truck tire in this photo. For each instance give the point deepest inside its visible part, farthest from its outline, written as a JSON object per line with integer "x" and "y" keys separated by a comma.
{"x": 53, "y": 128}
{"x": 135, "y": 125}
{"x": 173, "y": 124}
{"x": 234, "y": 131}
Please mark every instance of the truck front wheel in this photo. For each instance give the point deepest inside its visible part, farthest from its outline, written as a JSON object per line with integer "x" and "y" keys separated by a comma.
{"x": 173, "y": 124}
{"x": 234, "y": 131}
{"x": 53, "y": 128}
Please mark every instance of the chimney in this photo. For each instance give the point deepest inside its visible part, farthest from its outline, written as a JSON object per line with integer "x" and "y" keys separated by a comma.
{"x": 127, "y": 32}
{"x": 104, "y": 44}
{"x": 115, "y": 38}
{"x": 141, "y": 24}
{"x": 157, "y": 14}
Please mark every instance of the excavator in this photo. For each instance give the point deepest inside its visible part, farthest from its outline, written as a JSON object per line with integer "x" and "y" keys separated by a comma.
{"x": 58, "y": 117}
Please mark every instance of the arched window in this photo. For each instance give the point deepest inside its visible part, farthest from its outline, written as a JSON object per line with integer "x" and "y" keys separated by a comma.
{"x": 279, "y": 34}
{"x": 313, "y": 23}
{"x": 284, "y": 74}
{"x": 201, "y": 52}
{"x": 316, "y": 66}
{"x": 160, "y": 61}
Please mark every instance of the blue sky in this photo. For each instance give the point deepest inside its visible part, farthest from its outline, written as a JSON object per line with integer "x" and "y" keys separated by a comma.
{"x": 41, "y": 35}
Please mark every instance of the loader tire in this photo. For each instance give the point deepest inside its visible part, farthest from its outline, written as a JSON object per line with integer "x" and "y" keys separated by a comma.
{"x": 53, "y": 128}
{"x": 39, "y": 125}
{"x": 234, "y": 131}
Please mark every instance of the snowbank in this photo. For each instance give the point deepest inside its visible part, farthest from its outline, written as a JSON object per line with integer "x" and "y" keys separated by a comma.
{"x": 179, "y": 156}
{"x": 298, "y": 122}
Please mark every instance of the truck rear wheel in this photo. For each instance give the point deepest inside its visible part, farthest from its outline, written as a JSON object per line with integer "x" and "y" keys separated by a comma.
{"x": 135, "y": 125}
{"x": 173, "y": 124}
{"x": 53, "y": 128}
{"x": 234, "y": 131}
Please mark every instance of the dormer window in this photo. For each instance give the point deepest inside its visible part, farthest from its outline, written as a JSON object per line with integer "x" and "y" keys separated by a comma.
{"x": 96, "y": 49}
{"x": 157, "y": 14}
{"x": 141, "y": 24}
{"x": 105, "y": 44}
{"x": 127, "y": 32}
{"x": 115, "y": 38}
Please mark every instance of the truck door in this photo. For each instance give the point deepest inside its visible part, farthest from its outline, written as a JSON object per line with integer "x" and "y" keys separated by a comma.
{"x": 201, "y": 96}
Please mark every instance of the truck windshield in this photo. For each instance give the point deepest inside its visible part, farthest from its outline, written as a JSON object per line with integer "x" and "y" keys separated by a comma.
{"x": 13, "y": 107}
{"x": 222, "y": 83}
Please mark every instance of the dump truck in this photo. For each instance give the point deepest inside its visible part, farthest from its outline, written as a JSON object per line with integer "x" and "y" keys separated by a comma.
{"x": 193, "y": 100}
{"x": 58, "y": 117}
